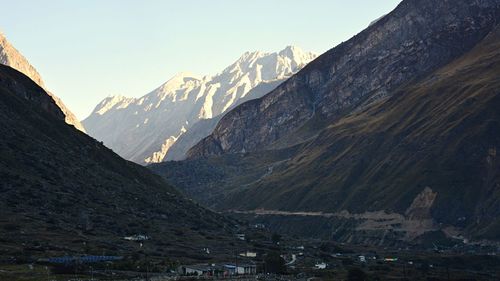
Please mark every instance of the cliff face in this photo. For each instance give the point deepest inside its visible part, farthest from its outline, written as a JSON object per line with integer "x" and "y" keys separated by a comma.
{"x": 410, "y": 42}
{"x": 427, "y": 154}
{"x": 205, "y": 127}
{"x": 15, "y": 82}
{"x": 11, "y": 57}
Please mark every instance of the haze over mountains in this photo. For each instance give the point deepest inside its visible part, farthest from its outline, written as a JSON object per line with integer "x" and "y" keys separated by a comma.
{"x": 145, "y": 129}
{"x": 392, "y": 134}
{"x": 11, "y": 57}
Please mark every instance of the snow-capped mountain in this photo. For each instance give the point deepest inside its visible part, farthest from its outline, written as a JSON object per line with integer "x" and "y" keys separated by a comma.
{"x": 10, "y": 56}
{"x": 144, "y": 129}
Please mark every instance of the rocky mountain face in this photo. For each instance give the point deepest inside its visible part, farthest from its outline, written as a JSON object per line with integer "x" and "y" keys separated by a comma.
{"x": 64, "y": 193}
{"x": 428, "y": 152}
{"x": 390, "y": 161}
{"x": 11, "y": 57}
{"x": 145, "y": 129}
{"x": 413, "y": 40}
{"x": 205, "y": 127}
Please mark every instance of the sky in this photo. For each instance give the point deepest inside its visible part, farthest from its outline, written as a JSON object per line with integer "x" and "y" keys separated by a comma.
{"x": 88, "y": 50}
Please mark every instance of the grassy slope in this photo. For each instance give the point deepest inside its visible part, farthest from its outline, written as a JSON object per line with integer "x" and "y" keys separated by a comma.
{"x": 441, "y": 132}
{"x": 60, "y": 189}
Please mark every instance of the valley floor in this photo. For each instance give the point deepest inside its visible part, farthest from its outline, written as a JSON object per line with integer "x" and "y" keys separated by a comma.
{"x": 305, "y": 260}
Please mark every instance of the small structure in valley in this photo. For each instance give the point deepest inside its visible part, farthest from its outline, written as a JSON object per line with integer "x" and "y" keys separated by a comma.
{"x": 249, "y": 254}
{"x": 137, "y": 237}
{"x": 226, "y": 269}
{"x": 320, "y": 265}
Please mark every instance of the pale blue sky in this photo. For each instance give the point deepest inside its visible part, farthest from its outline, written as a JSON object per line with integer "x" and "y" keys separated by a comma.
{"x": 89, "y": 49}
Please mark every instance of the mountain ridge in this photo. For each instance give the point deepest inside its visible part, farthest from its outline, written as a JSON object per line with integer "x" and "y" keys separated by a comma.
{"x": 10, "y": 56}
{"x": 64, "y": 193}
{"x": 145, "y": 128}
{"x": 410, "y": 42}
{"x": 423, "y": 159}
{"x": 387, "y": 164}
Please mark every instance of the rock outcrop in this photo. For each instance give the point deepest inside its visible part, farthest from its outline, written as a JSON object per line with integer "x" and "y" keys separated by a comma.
{"x": 427, "y": 151}
{"x": 11, "y": 57}
{"x": 410, "y": 42}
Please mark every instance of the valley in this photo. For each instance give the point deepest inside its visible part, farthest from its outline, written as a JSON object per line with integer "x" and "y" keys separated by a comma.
{"x": 418, "y": 161}
{"x": 375, "y": 160}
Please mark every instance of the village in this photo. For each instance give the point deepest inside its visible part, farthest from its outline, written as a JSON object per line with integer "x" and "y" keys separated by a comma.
{"x": 290, "y": 259}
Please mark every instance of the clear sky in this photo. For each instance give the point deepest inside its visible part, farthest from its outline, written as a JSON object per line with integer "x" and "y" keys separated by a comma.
{"x": 89, "y": 49}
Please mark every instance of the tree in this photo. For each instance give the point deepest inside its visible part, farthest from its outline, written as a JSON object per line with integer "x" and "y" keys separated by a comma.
{"x": 276, "y": 238}
{"x": 356, "y": 274}
{"x": 274, "y": 263}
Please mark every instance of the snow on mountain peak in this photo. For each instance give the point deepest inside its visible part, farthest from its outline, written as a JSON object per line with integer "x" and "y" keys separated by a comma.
{"x": 186, "y": 98}
{"x": 179, "y": 80}
{"x": 110, "y": 102}
{"x": 296, "y": 54}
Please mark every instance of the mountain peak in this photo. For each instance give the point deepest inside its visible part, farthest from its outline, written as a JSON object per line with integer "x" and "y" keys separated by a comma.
{"x": 183, "y": 77}
{"x": 109, "y": 102}
{"x": 145, "y": 128}
{"x": 178, "y": 81}
{"x": 291, "y": 49}
{"x": 10, "y": 56}
{"x": 334, "y": 82}
{"x": 251, "y": 55}
{"x": 185, "y": 74}
{"x": 297, "y": 55}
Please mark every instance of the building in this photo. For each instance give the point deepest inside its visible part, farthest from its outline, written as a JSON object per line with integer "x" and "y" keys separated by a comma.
{"x": 320, "y": 265}
{"x": 67, "y": 260}
{"x": 227, "y": 269}
{"x": 249, "y": 254}
{"x": 137, "y": 237}
{"x": 241, "y": 269}
{"x": 197, "y": 270}
{"x": 247, "y": 268}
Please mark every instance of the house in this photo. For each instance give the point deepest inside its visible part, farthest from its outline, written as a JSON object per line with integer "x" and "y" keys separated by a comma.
{"x": 321, "y": 265}
{"x": 259, "y": 226}
{"x": 196, "y": 270}
{"x": 217, "y": 270}
{"x": 137, "y": 237}
{"x": 230, "y": 269}
{"x": 241, "y": 269}
{"x": 249, "y": 254}
{"x": 80, "y": 259}
{"x": 247, "y": 268}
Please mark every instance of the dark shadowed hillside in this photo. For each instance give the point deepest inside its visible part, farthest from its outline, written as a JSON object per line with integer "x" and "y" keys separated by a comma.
{"x": 423, "y": 159}
{"x": 63, "y": 193}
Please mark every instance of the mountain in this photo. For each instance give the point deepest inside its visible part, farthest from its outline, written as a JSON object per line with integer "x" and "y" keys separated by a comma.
{"x": 412, "y": 41}
{"x": 400, "y": 157}
{"x": 204, "y": 127}
{"x": 144, "y": 129}
{"x": 63, "y": 193}
{"x": 11, "y": 57}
